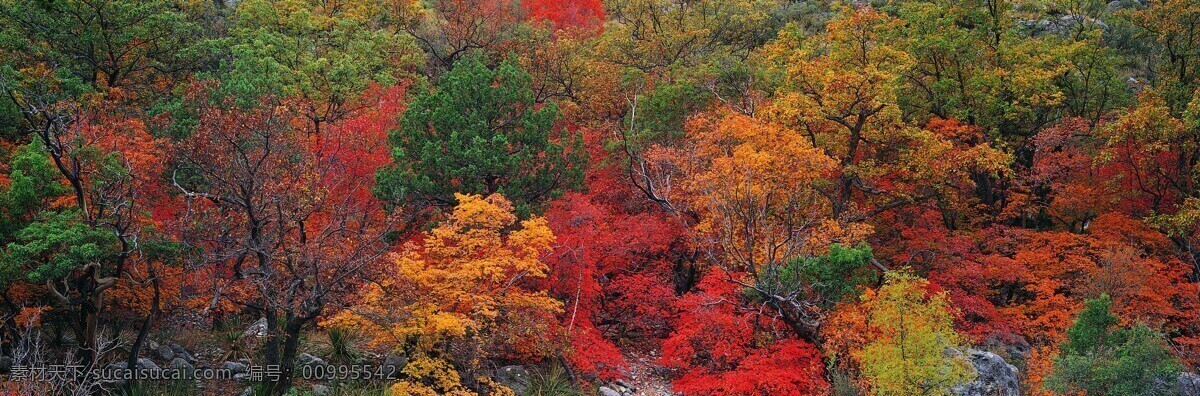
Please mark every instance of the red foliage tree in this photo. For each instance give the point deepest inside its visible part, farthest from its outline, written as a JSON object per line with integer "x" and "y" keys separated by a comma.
{"x": 719, "y": 349}
{"x": 613, "y": 267}
{"x": 285, "y": 217}
{"x": 565, "y": 14}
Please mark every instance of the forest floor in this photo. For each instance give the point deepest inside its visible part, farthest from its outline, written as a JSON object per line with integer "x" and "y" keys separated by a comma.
{"x": 647, "y": 376}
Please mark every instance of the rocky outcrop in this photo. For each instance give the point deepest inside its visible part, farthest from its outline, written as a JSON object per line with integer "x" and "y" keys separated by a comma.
{"x": 994, "y": 376}
{"x": 1062, "y": 25}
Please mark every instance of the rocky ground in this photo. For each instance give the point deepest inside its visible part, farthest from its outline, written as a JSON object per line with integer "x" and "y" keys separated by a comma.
{"x": 644, "y": 377}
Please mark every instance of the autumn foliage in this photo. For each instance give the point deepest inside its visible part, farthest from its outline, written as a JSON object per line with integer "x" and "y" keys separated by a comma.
{"x": 532, "y": 197}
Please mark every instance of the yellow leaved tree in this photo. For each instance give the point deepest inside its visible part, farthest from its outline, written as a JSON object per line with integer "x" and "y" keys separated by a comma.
{"x": 461, "y": 295}
{"x": 902, "y": 339}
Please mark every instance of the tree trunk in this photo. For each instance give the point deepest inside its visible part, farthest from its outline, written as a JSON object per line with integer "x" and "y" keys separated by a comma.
{"x": 135, "y": 350}
{"x": 12, "y": 337}
{"x": 281, "y": 351}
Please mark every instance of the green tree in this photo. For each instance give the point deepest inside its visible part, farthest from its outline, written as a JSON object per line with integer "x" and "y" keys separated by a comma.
{"x": 480, "y": 132}
{"x": 826, "y": 279}
{"x": 1099, "y": 358}
{"x": 131, "y": 44}
{"x": 51, "y": 244}
{"x": 42, "y": 243}
{"x": 322, "y": 53}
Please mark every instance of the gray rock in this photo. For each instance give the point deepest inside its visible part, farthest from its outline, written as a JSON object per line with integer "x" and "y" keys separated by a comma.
{"x": 606, "y": 391}
{"x": 181, "y": 364}
{"x": 234, "y": 367}
{"x": 163, "y": 353}
{"x": 1061, "y": 26}
{"x": 119, "y": 367}
{"x": 393, "y": 364}
{"x": 258, "y": 329}
{"x": 320, "y": 390}
{"x": 1117, "y": 5}
{"x": 143, "y": 364}
{"x": 249, "y": 391}
{"x": 1189, "y": 384}
{"x": 146, "y": 364}
{"x": 6, "y": 363}
{"x": 513, "y": 377}
{"x": 183, "y": 353}
{"x": 307, "y": 360}
{"x": 995, "y": 377}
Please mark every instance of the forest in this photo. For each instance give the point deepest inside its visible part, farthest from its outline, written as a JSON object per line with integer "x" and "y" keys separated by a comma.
{"x": 600, "y": 197}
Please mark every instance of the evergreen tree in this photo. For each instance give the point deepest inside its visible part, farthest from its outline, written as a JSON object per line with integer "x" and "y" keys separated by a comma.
{"x": 480, "y": 132}
{"x": 1099, "y": 359}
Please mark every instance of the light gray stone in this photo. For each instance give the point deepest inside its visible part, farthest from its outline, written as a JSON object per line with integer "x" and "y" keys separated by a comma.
{"x": 181, "y": 352}
{"x": 995, "y": 377}
{"x": 235, "y": 367}
{"x": 258, "y": 329}
{"x": 181, "y": 364}
{"x": 307, "y": 360}
{"x": 163, "y": 353}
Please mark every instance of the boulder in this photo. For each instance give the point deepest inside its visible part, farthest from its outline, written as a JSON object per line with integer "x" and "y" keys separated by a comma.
{"x": 1189, "y": 384}
{"x": 258, "y": 329}
{"x": 606, "y": 391}
{"x": 183, "y": 353}
{"x": 143, "y": 364}
{"x": 393, "y": 364}
{"x": 320, "y": 390}
{"x": 307, "y": 360}
{"x": 234, "y": 367}
{"x": 121, "y": 366}
{"x": 249, "y": 391}
{"x": 994, "y": 376}
{"x": 146, "y": 364}
{"x": 181, "y": 364}
{"x": 513, "y": 377}
{"x": 163, "y": 353}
